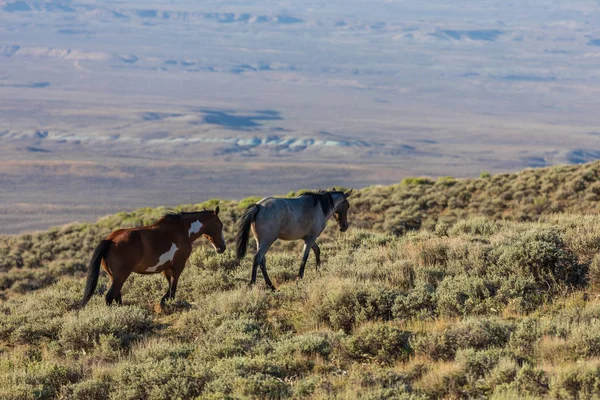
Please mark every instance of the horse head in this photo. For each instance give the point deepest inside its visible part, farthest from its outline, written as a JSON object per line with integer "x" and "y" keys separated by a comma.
{"x": 213, "y": 231}
{"x": 342, "y": 205}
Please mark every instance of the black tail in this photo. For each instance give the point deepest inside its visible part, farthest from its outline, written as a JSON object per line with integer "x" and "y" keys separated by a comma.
{"x": 94, "y": 270}
{"x": 241, "y": 240}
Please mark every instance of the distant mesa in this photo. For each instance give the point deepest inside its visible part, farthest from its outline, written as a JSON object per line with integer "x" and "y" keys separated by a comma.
{"x": 286, "y": 144}
{"x": 21, "y": 6}
{"x": 119, "y": 15}
{"x": 57, "y": 6}
{"x": 594, "y": 42}
{"x": 73, "y": 32}
{"x": 258, "y": 66}
{"x": 128, "y": 58}
{"x": 268, "y": 112}
{"x": 9, "y": 50}
{"x": 377, "y": 26}
{"x": 581, "y": 156}
{"x": 233, "y": 121}
{"x": 34, "y": 85}
{"x": 228, "y": 18}
{"x": 16, "y": 6}
{"x": 288, "y": 19}
{"x": 528, "y": 78}
{"x": 38, "y": 85}
{"x": 535, "y": 162}
{"x": 156, "y": 116}
{"x": 222, "y": 17}
{"x": 183, "y": 63}
{"x": 487, "y": 35}
{"x": 147, "y": 13}
{"x": 32, "y": 149}
{"x": 260, "y": 19}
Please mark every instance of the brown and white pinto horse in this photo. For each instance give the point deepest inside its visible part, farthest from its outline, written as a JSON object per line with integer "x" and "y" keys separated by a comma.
{"x": 160, "y": 248}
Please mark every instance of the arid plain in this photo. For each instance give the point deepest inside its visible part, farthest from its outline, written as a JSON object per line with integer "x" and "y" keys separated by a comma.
{"x": 109, "y": 106}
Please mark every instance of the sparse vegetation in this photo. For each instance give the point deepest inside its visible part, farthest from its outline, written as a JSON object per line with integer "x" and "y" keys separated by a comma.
{"x": 468, "y": 306}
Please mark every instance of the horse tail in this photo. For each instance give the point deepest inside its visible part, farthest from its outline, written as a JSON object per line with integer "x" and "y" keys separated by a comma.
{"x": 241, "y": 240}
{"x": 94, "y": 270}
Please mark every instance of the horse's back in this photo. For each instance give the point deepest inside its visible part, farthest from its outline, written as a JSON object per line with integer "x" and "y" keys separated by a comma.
{"x": 140, "y": 247}
{"x": 287, "y": 218}
{"x": 125, "y": 235}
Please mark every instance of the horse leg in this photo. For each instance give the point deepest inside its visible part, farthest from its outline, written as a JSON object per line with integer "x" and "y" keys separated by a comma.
{"x": 259, "y": 260}
{"x": 263, "y": 268}
{"x": 317, "y": 252}
{"x": 308, "y": 243}
{"x": 115, "y": 289}
{"x": 172, "y": 279}
{"x": 118, "y": 273}
{"x": 168, "y": 274}
{"x": 117, "y": 298}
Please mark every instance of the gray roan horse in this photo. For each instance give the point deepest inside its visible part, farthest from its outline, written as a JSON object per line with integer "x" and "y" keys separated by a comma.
{"x": 303, "y": 217}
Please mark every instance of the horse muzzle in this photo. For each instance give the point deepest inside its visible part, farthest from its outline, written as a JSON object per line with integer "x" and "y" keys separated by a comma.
{"x": 344, "y": 228}
{"x": 220, "y": 250}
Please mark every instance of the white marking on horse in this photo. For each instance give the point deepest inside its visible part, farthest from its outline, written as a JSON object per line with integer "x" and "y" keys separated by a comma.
{"x": 195, "y": 228}
{"x": 165, "y": 257}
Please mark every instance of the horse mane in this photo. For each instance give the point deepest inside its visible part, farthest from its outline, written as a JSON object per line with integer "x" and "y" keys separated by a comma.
{"x": 322, "y": 197}
{"x": 177, "y": 216}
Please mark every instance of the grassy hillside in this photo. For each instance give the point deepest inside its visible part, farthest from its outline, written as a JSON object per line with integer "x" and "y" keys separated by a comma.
{"x": 33, "y": 261}
{"x": 503, "y": 304}
{"x": 477, "y": 309}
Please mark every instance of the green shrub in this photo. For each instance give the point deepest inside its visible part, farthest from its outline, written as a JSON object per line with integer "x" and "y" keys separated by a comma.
{"x": 504, "y": 372}
{"x": 464, "y": 295}
{"x": 528, "y": 381}
{"x": 594, "y": 272}
{"x": 585, "y": 339}
{"x": 167, "y": 378}
{"x": 343, "y": 303}
{"x": 86, "y": 390}
{"x": 479, "y": 334}
{"x": 378, "y": 342}
{"x": 416, "y": 181}
{"x": 419, "y": 302}
{"x": 476, "y": 226}
{"x": 248, "y": 201}
{"x": 36, "y": 380}
{"x": 309, "y": 344}
{"x": 82, "y": 330}
{"x": 525, "y": 338}
{"x": 541, "y": 255}
{"x": 230, "y": 338}
{"x": 577, "y": 382}
{"x": 478, "y": 363}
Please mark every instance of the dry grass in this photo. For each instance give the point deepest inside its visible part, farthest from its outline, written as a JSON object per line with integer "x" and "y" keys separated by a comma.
{"x": 479, "y": 308}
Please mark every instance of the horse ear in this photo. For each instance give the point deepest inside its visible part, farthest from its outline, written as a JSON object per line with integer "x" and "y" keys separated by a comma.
{"x": 217, "y": 210}
{"x": 347, "y": 194}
